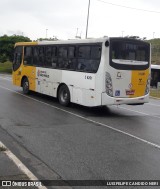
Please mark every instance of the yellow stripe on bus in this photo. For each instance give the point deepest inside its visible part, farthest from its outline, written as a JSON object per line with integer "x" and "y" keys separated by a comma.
{"x": 139, "y": 81}
{"x": 26, "y": 43}
{"x": 30, "y": 73}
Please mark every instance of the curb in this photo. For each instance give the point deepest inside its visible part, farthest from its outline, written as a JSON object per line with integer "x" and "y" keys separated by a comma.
{"x": 20, "y": 165}
{"x": 154, "y": 97}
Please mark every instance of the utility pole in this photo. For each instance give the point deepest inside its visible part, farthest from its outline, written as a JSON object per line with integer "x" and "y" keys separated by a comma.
{"x": 76, "y": 33}
{"x": 87, "y": 19}
{"x": 122, "y": 33}
{"x": 153, "y": 34}
{"x": 46, "y": 33}
{"x": 78, "y": 37}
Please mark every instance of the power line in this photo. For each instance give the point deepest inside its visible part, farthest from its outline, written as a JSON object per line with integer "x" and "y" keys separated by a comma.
{"x": 133, "y": 8}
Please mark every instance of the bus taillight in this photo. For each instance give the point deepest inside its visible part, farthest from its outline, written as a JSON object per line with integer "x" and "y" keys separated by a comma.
{"x": 108, "y": 83}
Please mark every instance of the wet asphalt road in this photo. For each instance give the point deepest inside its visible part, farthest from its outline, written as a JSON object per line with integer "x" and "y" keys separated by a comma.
{"x": 79, "y": 143}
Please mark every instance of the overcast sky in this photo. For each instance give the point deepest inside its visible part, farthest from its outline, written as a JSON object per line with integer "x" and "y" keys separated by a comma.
{"x": 61, "y": 18}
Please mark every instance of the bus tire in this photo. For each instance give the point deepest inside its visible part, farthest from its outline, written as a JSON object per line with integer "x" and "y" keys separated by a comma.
{"x": 64, "y": 95}
{"x": 25, "y": 85}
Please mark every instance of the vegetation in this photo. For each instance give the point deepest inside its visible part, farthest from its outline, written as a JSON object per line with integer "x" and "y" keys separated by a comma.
{"x": 7, "y": 50}
{"x": 155, "y": 93}
{"x": 48, "y": 39}
{"x": 2, "y": 148}
{"x": 6, "y": 67}
{"x": 7, "y": 46}
{"x": 155, "y": 50}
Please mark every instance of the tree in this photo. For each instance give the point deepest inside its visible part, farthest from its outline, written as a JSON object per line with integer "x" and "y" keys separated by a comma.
{"x": 7, "y": 46}
{"x": 48, "y": 39}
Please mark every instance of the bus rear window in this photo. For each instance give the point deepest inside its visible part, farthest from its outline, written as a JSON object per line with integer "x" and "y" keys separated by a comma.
{"x": 130, "y": 51}
{"x": 129, "y": 54}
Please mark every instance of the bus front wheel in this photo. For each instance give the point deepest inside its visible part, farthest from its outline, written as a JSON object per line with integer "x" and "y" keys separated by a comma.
{"x": 25, "y": 86}
{"x": 64, "y": 95}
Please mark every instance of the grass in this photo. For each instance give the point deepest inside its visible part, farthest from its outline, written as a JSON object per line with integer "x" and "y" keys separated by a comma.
{"x": 6, "y": 67}
{"x": 155, "y": 93}
{"x": 2, "y": 149}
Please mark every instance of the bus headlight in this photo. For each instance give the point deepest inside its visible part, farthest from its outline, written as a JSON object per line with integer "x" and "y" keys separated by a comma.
{"x": 147, "y": 86}
{"x": 108, "y": 83}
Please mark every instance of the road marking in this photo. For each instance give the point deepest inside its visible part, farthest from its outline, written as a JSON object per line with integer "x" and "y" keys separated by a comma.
{"x": 5, "y": 78}
{"x": 154, "y": 104}
{"x": 20, "y": 165}
{"x": 155, "y": 98}
{"x": 139, "y": 112}
{"x": 89, "y": 120}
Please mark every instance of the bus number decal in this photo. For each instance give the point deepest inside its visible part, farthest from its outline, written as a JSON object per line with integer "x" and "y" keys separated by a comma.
{"x": 88, "y": 77}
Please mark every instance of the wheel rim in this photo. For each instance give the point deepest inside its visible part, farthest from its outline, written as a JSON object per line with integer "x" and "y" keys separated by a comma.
{"x": 64, "y": 96}
{"x": 26, "y": 86}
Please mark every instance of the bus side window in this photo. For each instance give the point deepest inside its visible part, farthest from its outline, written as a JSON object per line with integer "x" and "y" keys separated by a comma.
{"x": 71, "y": 52}
{"x": 72, "y": 62}
{"x": 83, "y": 58}
{"x": 62, "y": 57}
{"x": 89, "y": 58}
{"x": 41, "y": 56}
{"x": 38, "y": 56}
{"x": 95, "y": 58}
{"x": 54, "y": 57}
{"x": 48, "y": 56}
{"x": 96, "y": 52}
{"x": 17, "y": 58}
{"x": 28, "y": 56}
{"x": 84, "y": 52}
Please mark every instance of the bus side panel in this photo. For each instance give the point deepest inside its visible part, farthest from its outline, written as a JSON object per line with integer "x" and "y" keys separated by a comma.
{"x": 81, "y": 86}
{"x": 48, "y": 80}
{"x": 16, "y": 77}
{"x": 30, "y": 73}
{"x": 84, "y": 97}
{"x": 25, "y": 71}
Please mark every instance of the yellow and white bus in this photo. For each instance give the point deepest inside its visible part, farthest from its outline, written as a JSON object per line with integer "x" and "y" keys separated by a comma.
{"x": 90, "y": 72}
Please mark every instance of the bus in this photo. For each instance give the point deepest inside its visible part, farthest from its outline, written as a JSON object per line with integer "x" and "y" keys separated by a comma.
{"x": 89, "y": 72}
{"x": 155, "y": 75}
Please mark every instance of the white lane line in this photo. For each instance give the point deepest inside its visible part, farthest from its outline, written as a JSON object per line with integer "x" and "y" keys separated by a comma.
{"x": 139, "y": 112}
{"x": 86, "y": 119}
{"x": 153, "y": 104}
{"x": 133, "y": 111}
{"x": 156, "y": 98}
{"x": 20, "y": 165}
{"x": 5, "y": 78}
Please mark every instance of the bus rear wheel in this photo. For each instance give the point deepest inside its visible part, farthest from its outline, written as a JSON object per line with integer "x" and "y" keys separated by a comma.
{"x": 25, "y": 86}
{"x": 64, "y": 95}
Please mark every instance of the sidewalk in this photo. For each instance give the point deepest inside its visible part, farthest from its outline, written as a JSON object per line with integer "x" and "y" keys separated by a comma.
{"x": 10, "y": 171}
{"x": 19, "y": 176}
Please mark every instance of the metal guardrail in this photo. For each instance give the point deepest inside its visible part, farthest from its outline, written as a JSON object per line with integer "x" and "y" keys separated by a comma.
{"x": 155, "y": 92}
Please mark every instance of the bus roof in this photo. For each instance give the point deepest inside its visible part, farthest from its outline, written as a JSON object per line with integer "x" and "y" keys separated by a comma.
{"x": 155, "y": 66}
{"x": 73, "y": 41}
{"x": 25, "y": 43}
{"x": 69, "y": 41}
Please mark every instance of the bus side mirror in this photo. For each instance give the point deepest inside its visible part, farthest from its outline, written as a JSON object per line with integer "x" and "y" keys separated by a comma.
{"x": 107, "y": 43}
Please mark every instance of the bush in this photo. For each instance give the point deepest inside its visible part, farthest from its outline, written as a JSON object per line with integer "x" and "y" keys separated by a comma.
{"x": 6, "y": 67}
{"x": 7, "y": 46}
